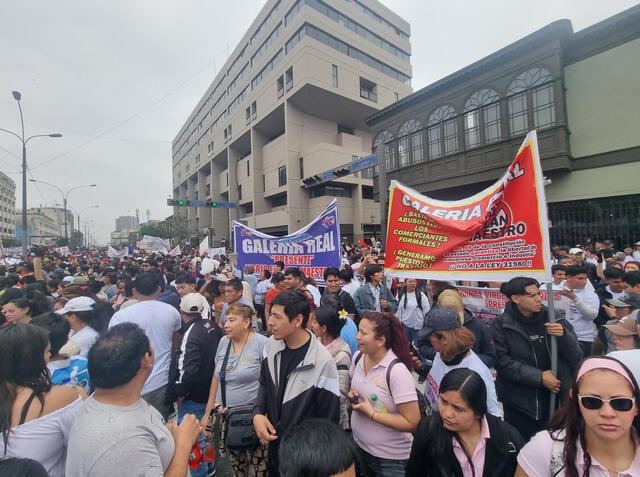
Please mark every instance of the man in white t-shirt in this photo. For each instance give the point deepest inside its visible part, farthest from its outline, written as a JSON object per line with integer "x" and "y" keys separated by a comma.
{"x": 159, "y": 321}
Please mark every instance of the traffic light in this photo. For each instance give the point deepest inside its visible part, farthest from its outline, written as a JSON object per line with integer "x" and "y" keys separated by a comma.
{"x": 311, "y": 180}
{"x": 210, "y": 203}
{"x": 343, "y": 171}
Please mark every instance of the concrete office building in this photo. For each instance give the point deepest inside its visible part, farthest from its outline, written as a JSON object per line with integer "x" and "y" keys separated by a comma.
{"x": 7, "y": 207}
{"x": 580, "y": 90}
{"x": 43, "y": 226}
{"x": 126, "y": 222}
{"x": 289, "y": 103}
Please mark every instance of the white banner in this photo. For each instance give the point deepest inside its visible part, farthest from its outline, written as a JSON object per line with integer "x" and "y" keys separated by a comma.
{"x": 176, "y": 251}
{"x": 489, "y": 302}
{"x": 154, "y": 244}
{"x": 204, "y": 245}
{"x": 216, "y": 251}
{"x": 113, "y": 253}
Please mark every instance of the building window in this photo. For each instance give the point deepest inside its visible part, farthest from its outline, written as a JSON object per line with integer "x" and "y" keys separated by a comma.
{"x": 442, "y": 132}
{"x": 280, "y": 86}
{"x": 334, "y": 76}
{"x": 397, "y": 96}
{"x": 254, "y": 111}
{"x": 248, "y": 208}
{"x": 368, "y": 90}
{"x": 384, "y": 143}
{"x": 331, "y": 190}
{"x": 301, "y": 167}
{"x": 264, "y": 182}
{"x": 279, "y": 200}
{"x": 410, "y": 143}
{"x": 345, "y": 129}
{"x": 240, "y": 192}
{"x": 248, "y": 168}
{"x": 482, "y": 118}
{"x": 247, "y": 114}
{"x": 282, "y": 176}
{"x": 367, "y": 192}
{"x": 531, "y": 100}
{"x": 288, "y": 75}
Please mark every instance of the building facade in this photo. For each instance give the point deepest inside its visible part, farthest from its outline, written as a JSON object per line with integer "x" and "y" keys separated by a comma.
{"x": 57, "y": 214}
{"x": 126, "y": 222}
{"x": 7, "y": 207}
{"x": 289, "y": 103}
{"x": 580, "y": 91}
{"x": 43, "y": 227}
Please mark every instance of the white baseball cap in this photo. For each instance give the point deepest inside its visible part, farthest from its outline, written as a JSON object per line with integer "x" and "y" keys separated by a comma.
{"x": 192, "y": 303}
{"x": 81, "y": 303}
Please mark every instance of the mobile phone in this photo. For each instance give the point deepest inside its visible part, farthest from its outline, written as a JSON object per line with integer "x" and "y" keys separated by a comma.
{"x": 352, "y": 400}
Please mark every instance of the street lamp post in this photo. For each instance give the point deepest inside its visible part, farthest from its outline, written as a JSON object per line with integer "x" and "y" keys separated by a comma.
{"x": 17, "y": 96}
{"x": 78, "y": 214}
{"x": 64, "y": 201}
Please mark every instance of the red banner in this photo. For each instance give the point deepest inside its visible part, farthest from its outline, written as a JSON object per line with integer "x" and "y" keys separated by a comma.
{"x": 495, "y": 235}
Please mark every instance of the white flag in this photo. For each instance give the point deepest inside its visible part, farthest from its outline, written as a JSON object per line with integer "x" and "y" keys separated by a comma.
{"x": 176, "y": 251}
{"x": 204, "y": 245}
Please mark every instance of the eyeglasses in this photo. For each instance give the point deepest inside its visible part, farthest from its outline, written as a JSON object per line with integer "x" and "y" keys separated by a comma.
{"x": 622, "y": 404}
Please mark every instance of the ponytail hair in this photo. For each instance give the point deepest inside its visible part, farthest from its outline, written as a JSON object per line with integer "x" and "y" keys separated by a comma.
{"x": 386, "y": 325}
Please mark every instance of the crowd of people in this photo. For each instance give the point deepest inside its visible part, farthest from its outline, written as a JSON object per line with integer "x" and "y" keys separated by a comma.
{"x": 163, "y": 366}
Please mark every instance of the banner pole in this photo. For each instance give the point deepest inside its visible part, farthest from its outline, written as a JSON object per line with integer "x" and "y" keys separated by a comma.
{"x": 554, "y": 344}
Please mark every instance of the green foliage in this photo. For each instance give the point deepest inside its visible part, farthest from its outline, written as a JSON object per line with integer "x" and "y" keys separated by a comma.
{"x": 173, "y": 227}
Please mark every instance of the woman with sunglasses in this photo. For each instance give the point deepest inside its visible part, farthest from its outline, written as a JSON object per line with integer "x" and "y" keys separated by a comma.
{"x": 462, "y": 439}
{"x": 595, "y": 433}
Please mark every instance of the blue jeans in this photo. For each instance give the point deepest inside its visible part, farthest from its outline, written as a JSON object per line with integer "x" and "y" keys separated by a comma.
{"x": 411, "y": 334}
{"x": 372, "y": 466}
{"x": 196, "y": 408}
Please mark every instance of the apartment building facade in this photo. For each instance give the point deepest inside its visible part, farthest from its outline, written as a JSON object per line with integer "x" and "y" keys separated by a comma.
{"x": 289, "y": 103}
{"x": 7, "y": 207}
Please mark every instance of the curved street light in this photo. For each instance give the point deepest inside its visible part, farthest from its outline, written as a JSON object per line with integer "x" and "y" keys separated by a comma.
{"x": 64, "y": 200}
{"x": 17, "y": 96}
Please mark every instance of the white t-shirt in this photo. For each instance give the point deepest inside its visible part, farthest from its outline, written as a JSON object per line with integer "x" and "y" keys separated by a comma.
{"x": 159, "y": 321}
{"x": 352, "y": 287}
{"x": 85, "y": 338}
{"x": 439, "y": 369}
{"x": 316, "y": 294}
{"x": 409, "y": 314}
{"x": 44, "y": 439}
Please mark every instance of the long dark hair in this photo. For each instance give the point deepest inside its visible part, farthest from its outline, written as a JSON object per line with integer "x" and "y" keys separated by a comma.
{"x": 388, "y": 326}
{"x": 98, "y": 318}
{"x": 327, "y": 315}
{"x": 474, "y": 392}
{"x": 569, "y": 418}
{"x": 21, "y": 364}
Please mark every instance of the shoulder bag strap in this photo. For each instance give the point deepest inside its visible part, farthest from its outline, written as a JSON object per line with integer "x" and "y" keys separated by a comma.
{"x": 223, "y": 372}
{"x": 25, "y": 408}
{"x": 391, "y": 365}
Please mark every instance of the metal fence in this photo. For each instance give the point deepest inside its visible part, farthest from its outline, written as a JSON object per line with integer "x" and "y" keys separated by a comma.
{"x": 582, "y": 221}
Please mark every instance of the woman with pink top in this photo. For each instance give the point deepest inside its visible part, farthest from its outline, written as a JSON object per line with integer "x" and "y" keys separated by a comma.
{"x": 595, "y": 433}
{"x": 383, "y": 396}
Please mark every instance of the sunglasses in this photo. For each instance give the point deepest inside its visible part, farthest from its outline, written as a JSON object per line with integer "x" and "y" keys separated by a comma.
{"x": 622, "y": 404}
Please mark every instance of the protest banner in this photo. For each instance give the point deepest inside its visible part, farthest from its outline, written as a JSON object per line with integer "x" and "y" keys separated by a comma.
{"x": 487, "y": 303}
{"x": 204, "y": 245}
{"x": 176, "y": 251}
{"x": 154, "y": 244}
{"x": 312, "y": 249}
{"x": 495, "y": 235}
{"x": 216, "y": 251}
{"x": 113, "y": 253}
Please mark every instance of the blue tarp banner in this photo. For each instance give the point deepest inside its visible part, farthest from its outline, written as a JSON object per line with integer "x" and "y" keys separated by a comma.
{"x": 312, "y": 249}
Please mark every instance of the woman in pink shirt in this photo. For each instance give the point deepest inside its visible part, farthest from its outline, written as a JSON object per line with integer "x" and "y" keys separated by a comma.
{"x": 383, "y": 396}
{"x": 462, "y": 439}
{"x": 595, "y": 433}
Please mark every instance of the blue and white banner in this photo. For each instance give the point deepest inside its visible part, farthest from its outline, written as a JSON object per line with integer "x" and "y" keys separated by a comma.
{"x": 312, "y": 249}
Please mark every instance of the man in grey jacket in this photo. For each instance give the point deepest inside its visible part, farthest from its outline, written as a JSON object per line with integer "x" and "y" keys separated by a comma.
{"x": 374, "y": 295}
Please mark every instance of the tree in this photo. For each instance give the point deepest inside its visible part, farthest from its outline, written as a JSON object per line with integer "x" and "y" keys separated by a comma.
{"x": 173, "y": 227}
{"x": 76, "y": 239}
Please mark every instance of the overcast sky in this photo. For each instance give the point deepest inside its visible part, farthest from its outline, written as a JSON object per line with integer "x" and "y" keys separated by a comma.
{"x": 118, "y": 78}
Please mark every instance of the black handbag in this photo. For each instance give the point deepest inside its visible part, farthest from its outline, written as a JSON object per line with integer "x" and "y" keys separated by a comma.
{"x": 240, "y": 434}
